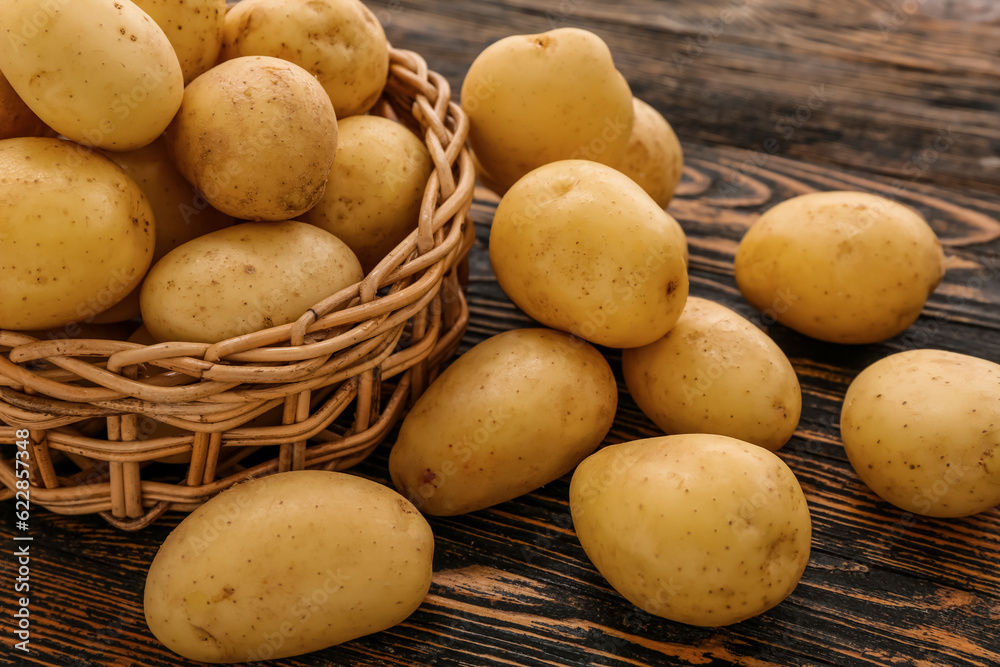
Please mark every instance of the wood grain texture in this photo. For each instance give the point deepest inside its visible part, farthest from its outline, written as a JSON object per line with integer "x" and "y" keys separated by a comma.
{"x": 512, "y": 586}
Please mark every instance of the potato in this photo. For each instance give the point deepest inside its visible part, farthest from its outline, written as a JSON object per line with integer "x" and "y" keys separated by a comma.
{"x": 922, "y": 430}
{"x": 843, "y": 267}
{"x": 287, "y": 564}
{"x": 242, "y": 279}
{"x": 181, "y": 213}
{"x": 653, "y": 157}
{"x": 373, "y": 195}
{"x": 102, "y": 74}
{"x": 514, "y": 413}
{"x": 257, "y": 136}
{"x": 701, "y": 529}
{"x": 76, "y": 233}
{"x": 580, "y": 247}
{"x": 535, "y": 99}
{"x": 194, "y": 28}
{"x": 715, "y": 372}
{"x": 16, "y": 119}
{"x": 339, "y": 41}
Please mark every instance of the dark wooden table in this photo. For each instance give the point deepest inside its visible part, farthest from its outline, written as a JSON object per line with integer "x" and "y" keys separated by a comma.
{"x": 771, "y": 98}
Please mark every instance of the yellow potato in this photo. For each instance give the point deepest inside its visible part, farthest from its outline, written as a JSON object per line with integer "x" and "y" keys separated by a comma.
{"x": 580, "y": 247}
{"x": 257, "y": 136}
{"x": 76, "y": 233}
{"x": 510, "y": 415}
{"x": 535, "y": 99}
{"x": 701, "y": 529}
{"x": 242, "y": 279}
{"x": 288, "y": 564}
{"x": 372, "y": 199}
{"x": 339, "y": 41}
{"x": 100, "y": 73}
{"x": 715, "y": 372}
{"x": 922, "y": 430}
{"x": 16, "y": 119}
{"x": 194, "y": 28}
{"x": 181, "y": 213}
{"x": 653, "y": 158}
{"x": 843, "y": 267}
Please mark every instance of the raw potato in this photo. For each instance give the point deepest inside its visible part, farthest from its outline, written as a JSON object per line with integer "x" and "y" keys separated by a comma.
{"x": 922, "y": 430}
{"x": 76, "y": 233}
{"x": 181, "y": 213}
{"x": 580, "y": 247}
{"x": 701, "y": 529}
{"x": 715, "y": 372}
{"x": 257, "y": 136}
{"x": 16, "y": 119}
{"x": 510, "y": 415}
{"x": 339, "y": 41}
{"x": 287, "y": 564}
{"x": 843, "y": 267}
{"x": 194, "y": 28}
{"x": 536, "y": 99}
{"x": 100, "y": 73}
{"x": 653, "y": 158}
{"x": 242, "y": 279}
{"x": 373, "y": 195}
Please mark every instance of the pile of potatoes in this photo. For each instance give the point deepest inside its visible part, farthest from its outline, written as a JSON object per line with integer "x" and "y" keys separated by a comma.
{"x": 296, "y": 189}
{"x": 214, "y": 182}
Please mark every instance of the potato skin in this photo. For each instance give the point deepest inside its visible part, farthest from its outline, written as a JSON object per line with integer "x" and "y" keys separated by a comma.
{"x": 715, "y": 372}
{"x": 287, "y": 564}
{"x": 653, "y": 158}
{"x": 372, "y": 199}
{"x": 257, "y": 136}
{"x": 843, "y": 267}
{"x": 242, "y": 279}
{"x": 76, "y": 233}
{"x": 701, "y": 529}
{"x": 16, "y": 119}
{"x": 536, "y": 99}
{"x": 580, "y": 247}
{"x": 922, "y": 430}
{"x": 514, "y": 413}
{"x": 339, "y": 41}
{"x": 100, "y": 73}
{"x": 181, "y": 213}
{"x": 194, "y": 28}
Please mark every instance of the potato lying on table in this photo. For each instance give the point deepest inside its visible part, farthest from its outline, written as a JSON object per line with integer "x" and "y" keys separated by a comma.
{"x": 510, "y": 415}
{"x": 287, "y": 564}
{"x": 701, "y": 529}
{"x": 843, "y": 267}
{"x": 580, "y": 247}
{"x": 922, "y": 430}
{"x": 715, "y": 372}
{"x": 653, "y": 158}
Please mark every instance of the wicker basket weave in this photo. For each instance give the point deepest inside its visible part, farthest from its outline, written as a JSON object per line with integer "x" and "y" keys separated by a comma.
{"x": 339, "y": 377}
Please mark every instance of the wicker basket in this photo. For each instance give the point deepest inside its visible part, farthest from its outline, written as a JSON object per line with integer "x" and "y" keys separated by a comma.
{"x": 339, "y": 377}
